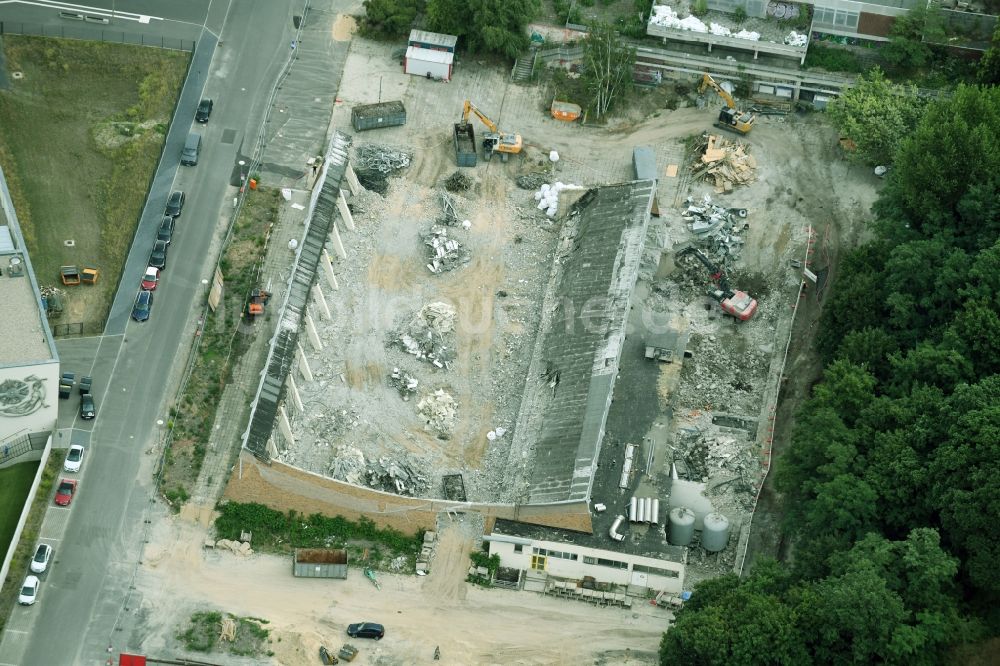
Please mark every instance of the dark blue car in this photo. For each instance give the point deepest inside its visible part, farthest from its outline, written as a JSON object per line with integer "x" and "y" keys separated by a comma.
{"x": 143, "y": 304}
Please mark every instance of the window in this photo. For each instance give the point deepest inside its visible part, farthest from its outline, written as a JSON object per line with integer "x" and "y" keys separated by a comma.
{"x": 518, "y": 548}
{"x": 589, "y": 560}
{"x": 656, "y": 571}
{"x": 614, "y": 564}
{"x": 555, "y": 553}
{"x": 538, "y": 562}
{"x": 835, "y": 17}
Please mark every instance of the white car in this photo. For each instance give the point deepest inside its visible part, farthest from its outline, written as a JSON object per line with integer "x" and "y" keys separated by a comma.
{"x": 40, "y": 562}
{"x": 74, "y": 459}
{"x": 29, "y": 591}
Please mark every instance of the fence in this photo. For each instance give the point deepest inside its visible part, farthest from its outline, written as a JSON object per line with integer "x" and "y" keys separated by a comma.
{"x": 95, "y": 33}
{"x": 14, "y": 447}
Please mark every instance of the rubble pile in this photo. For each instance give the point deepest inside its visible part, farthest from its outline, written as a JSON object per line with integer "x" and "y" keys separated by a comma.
{"x": 446, "y": 254}
{"x": 439, "y": 411}
{"x": 449, "y": 217}
{"x": 396, "y": 476}
{"x": 374, "y": 163}
{"x": 241, "y": 548}
{"x": 531, "y": 181}
{"x": 725, "y": 163}
{"x": 717, "y": 228}
{"x": 428, "y": 335}
{"x": 457, "y": 182}
{"x": 719, "y": 378}
{"x": 797, "y": 39}
{"x": 348, "y": 465}
{"x": 404, "y": 382}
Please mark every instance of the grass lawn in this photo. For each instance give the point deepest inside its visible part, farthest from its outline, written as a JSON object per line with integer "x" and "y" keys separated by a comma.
{"x": 80, "y": 136}
{"x": 15, "y": 481}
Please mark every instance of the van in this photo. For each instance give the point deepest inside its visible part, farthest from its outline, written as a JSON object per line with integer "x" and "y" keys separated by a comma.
{"x": 192, "y": 148}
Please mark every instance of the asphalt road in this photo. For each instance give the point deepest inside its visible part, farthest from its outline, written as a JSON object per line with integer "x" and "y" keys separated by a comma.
{"x": 99, "y": 539}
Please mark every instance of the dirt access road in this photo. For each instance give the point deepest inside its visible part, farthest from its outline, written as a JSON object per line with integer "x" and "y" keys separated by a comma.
{"x": 471, "y": 625}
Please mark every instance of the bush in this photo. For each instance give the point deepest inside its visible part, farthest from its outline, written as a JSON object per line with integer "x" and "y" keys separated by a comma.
{"x": 740, "y": 15}
{"x": 699, "y": 8}
{"x": 832, "y": 59}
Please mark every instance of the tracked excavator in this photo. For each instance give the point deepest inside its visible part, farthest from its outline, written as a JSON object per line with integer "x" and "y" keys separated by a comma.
{"x": 730, "y": 118}
{"x": 734, "y": 303}
{"x": 494, "y": 141}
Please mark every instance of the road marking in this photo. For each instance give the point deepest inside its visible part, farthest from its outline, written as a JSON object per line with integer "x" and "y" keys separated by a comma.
{"x": 16, "y": 631}
{"x": 61, "y": 508}
{"x": 41, "y": 538}
{"x": 91, "y": 11}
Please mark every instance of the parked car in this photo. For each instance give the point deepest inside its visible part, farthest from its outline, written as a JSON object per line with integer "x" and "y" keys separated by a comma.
{"x": 166, "y": 230}
{"x": 87, "y": 408}
{"x": 175, "y": 203}
{"x": 204, "y": 111}
{"x": 40, "y": 560}
{"x": 158, "y": 257}
{"x": 74, "y": 459}
{"x": 143, "y": 304}
{"x": 29, "y": 591}
{"x": 366, "y": 630}
{"x": 151, "y": 278}
{"x": 65, "y": 492}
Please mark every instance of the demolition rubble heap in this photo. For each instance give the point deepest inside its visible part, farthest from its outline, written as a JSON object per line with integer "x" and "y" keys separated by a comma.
{"x": 724, "y": 163}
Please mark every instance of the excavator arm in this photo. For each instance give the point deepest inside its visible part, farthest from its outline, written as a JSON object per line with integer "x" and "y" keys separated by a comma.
{"x": 708, "y": 82}
{"x": 469, "y": 106}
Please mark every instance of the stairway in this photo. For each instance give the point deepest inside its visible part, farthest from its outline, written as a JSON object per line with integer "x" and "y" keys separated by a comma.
{"x": 524, "y": 67}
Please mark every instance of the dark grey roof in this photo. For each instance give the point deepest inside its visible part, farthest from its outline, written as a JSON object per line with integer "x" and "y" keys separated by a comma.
{"x": 572, "y": 372}
{"x": 281, "y": 355}
{"x": 653, "y": 544}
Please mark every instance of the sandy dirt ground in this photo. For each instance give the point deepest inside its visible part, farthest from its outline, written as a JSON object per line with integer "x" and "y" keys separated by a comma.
{"x": 471, "y": 625}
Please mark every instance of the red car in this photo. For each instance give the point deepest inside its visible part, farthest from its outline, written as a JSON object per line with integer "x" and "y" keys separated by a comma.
{"x": 66, "y": 491}
{"x": 150, "y": 278}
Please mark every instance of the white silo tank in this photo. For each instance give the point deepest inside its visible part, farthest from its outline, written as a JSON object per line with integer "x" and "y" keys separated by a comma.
{"x": 656, "y": 512}
{"x": 715, "y": 536}
{"x": 632, "y": 511}
{"x": 640, "y": 507}
{"x": 648, "y": 511}
{"x": 681, "y": 529}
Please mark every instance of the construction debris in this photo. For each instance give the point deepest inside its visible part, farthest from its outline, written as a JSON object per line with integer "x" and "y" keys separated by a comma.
{"x": 428, "y": 336}
{"x": 404, "y": 382}
{"x": 724, "y": 162}
{"x": 240, "y": 548}
{"x": 448, "y": 217}
{"x": 381, "y": 158}
{"x": 348, "y": 465}
{"x": 531, "y": 181}
{"x": 717, "y": 228}
{"x": 439, "y": 411}
{"x": 374, "y": 163}
{"x": 396, "y": 476}
{"x": 457, "y": 182}
{"x": 446, "y": 254}
{"x": 228, "y": 632}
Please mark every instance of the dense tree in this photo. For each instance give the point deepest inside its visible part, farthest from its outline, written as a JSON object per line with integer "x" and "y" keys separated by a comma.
{"x": 486, "y": 26}
{"x": 945, "y": 173}
{"x": 989, "y": 64}
{"x": 390, "y": 18}
{"x": 869, "y": 348}
{"x": 877, "y": 115}
{"x": 858, "y": 302}
{"x": 608, "y": 63}
{"x": 911, "y": 35}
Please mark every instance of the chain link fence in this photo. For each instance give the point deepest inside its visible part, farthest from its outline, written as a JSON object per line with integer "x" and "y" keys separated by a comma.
{"x": 97, "y": 32}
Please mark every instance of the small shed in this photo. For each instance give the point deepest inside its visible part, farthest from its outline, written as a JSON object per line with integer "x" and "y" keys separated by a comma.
{"x": 430, "y": 63}
{"x": 432, "y": 41}
{"x": 320, "y": 563}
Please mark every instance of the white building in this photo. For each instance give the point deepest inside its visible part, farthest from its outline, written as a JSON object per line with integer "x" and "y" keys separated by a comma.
{"x": 542, "y": 562}
{"x": 29, "y": 364}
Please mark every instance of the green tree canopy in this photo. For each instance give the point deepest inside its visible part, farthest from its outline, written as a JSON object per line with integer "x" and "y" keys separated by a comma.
{"x": 877, "y": 115}
{"x": 390, "y": 18}
{"x": 486, "y": 26}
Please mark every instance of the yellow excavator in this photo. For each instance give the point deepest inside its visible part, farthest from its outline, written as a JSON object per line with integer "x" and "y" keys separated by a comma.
{"x": 730, "y": 118}
{"x": 494, "y": 141}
